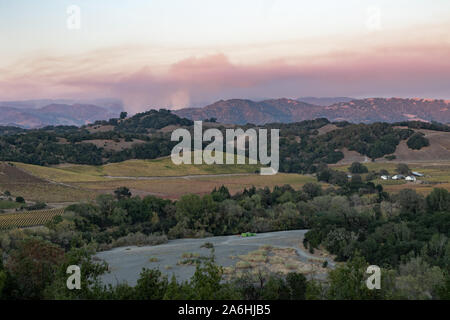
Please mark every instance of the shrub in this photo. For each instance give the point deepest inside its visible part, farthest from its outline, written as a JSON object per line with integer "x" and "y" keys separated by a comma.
{"x": 37, "y": 206}
{"x": 188, "y": 255}
{"x": 243, "y": 265}
{"x": 20, "y": 199}
{"x": 390, "y": 157}
{"x": 207, "y": 245}
{"x": 136, "y": 239}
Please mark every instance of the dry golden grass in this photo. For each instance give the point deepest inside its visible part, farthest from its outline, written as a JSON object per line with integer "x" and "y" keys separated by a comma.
{"x": 272, "y": 259}
{"x": 162, "y": 167}
{"x": 47, "y": 192}
{"x": 21, "y": 183}
{"x": 174, "y": 188}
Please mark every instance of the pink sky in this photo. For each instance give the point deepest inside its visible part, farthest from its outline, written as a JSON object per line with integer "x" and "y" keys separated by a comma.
{"x": 396, "y": 60}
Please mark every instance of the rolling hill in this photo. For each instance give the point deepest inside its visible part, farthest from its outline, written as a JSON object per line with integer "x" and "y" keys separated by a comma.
{"x": 238, "y": 111}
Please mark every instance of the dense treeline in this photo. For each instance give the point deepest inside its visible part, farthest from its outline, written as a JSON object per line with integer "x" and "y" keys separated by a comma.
{"x": 407, "y": 235}
{"x": 305, "y": 152}
{"x": 302, "y": 148}
{"x": 436, "y": 126}
{"x": 69, "y": 144}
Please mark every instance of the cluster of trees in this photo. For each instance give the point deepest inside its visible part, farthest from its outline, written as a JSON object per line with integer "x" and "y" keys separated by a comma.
{"x": 152, "y": 119}
{"x": 358, "y": 167}
{"x": 435, "y": 126}
{"x": 417, "y": 141}
{"x": 406, "y": 234}
{"x": 302, "y": 148}
{"x": 69, "y": 144}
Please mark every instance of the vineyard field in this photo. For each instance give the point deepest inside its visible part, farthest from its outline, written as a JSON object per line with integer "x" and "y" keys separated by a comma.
{"x": 28, "y": 218}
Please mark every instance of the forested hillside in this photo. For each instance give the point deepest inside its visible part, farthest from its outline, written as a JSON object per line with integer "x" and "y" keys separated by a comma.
{"x": 303, "y": 148}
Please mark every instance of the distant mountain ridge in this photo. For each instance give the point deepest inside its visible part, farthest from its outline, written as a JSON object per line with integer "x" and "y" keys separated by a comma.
{"x": 33, "y": 115}
{"x": 324, "y": 101}
{"x": 240, "y": 111}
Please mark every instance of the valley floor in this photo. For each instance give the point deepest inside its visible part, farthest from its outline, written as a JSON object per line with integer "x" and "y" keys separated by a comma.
{"x": 72, "y": 183}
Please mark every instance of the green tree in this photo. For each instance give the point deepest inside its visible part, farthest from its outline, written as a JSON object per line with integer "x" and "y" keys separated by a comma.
{"x": 175, "y": 291}
{"x": 122, "y": 192}
{"x": 444, "y": 289}
{"x": 417, "y": 141}
{"x": 151, "y": 285}
{"x": 275, "y": 289}
{"x": 438, "y": 200}
{"x": 417, "y": 280}
{"x": 33, "y": 266}
{"x": 297, "y": 286}
{"x": 123, "y": 115}
{"x": 20, "y": 199}
{"x": 91, "y": 286}
{"x": 410, "y": 201}
{"x": 347, "y": 281}
{"x": 312, "y": 190}
{"x": 402, "y": 168}
{"x": 357, "y": 167}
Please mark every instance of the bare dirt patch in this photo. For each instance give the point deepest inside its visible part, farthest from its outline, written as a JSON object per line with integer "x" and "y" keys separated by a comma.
{"x": 327, "y": 128}
{"x": 351, "y": 156}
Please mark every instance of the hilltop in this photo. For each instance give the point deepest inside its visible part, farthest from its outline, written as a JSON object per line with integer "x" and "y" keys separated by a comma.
{"x": 238, "y": 111}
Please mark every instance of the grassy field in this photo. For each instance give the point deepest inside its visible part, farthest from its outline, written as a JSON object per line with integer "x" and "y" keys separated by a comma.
{"x": 47, "y": 192}
{"x": 72, "y": 173}
{"x": 160, "y": 177}
{"x": 163, "y": 167}
{"x": 6, "y": 204}
{"x": 437, "y": 175}
{"x": 31, "y": 187}
{"x": 174, "y": 188}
